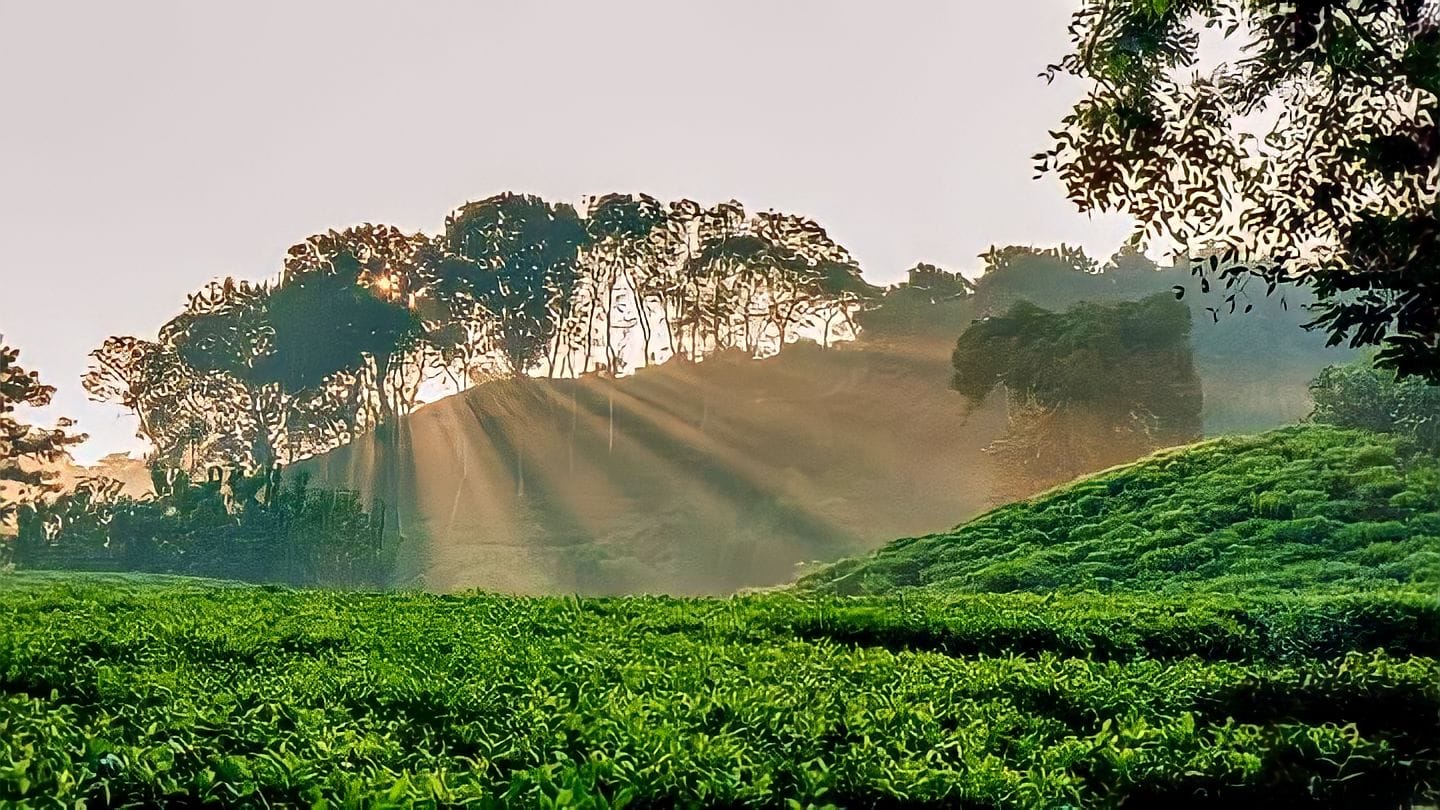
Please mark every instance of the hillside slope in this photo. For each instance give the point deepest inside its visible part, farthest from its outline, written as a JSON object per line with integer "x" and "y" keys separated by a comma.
{"x": 1306, "y": 507}
{"x": 704, "y": 478}
{"x": 682, "y": 479}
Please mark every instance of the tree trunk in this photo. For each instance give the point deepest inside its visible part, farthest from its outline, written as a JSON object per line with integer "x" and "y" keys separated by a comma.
{"x": 609, "y": 313}
{"x": 382, "y": 372}
{"x": 262, "y": 450}
{"x": 644, "y": 318}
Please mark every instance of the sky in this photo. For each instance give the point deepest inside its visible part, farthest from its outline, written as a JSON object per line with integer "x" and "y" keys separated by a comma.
{"x": 148, "y": 147}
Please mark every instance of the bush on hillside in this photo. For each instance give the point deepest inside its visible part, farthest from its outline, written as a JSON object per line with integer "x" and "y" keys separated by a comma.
{"x": 1358, "y": 395}
{"x": 248, "y": 527}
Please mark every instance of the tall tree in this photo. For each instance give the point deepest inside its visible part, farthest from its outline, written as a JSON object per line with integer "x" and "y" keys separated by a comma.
{"x": 1339, "y": 190}
{"x": 25, "y": 449}
{"x": 626, "y": 235}
{"x": 366, "y": 280}
{"x": 458, "y": 325}
{"x": 220, "y": 343}
{"x": 524, "y": 251}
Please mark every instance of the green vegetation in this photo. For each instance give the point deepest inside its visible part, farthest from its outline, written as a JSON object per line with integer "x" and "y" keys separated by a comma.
{"x": 1341, "y": 200}
{"x": 25, "y": 448}
{"x": 1360, "y": 395}
{"x": 139, "y": 694}
{"x": 250, "y": 527}
{"x": 1089, "y": 388}
{"x": 1309, "y": 508}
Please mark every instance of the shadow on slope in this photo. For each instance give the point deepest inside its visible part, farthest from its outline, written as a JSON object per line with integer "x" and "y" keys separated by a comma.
{"x": 684, "y": 478}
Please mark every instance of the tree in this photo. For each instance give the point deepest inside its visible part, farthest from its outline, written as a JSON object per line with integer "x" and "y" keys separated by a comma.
{"x": 523, "y": 253}
{"x": 26, "y": 449}
{"x": 124, "y": 370}
{"x": 679, "y": 241}
{"x": 1339, "y": 192}
{"x": 626, "y": 236}
{"x": 215, "y": 352}
{"x": 366, "y": 280}
{"x": 458, "y": 325}
{"x": 843, "y": 292}
{"x": 1358, "y": 395}
{"x": 1050, "y": 277}
{"x": 1088, "y": 388}
{"x": 807, "y": 272}
{"x": 931, "y": 301}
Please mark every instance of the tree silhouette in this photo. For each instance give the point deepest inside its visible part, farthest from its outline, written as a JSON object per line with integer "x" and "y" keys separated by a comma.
{"x": 26, "y": 449}
{"x": 626, "y": 233}
{"x": 365, "y": 279}
{"x": 1087, "y": 388}
{"x": 522, "y": 252}
{"x": 1338, "y": 193}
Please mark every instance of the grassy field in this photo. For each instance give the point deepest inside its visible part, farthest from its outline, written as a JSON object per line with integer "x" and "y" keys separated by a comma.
{"x": 1307, "y": 508}
{"x": 1248, "y": 620}
{"x": 141, "y": 693}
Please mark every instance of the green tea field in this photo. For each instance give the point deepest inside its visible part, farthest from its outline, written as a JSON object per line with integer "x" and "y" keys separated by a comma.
{"x": 141, "y": 694}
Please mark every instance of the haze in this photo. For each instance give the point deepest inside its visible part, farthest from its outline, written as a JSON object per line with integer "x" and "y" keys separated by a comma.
{"x": 150, "y": 147}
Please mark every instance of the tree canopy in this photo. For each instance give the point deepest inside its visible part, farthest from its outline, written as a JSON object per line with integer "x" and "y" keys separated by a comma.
{"x": 1313, "y": 159}
{"x": 26, "y": 449}
{"x": 360, "y": 319}
{"x": 1086, "y": 388}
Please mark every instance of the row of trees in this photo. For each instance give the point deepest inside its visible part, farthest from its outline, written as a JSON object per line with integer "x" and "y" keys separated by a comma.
{"x": 360, "y": 320}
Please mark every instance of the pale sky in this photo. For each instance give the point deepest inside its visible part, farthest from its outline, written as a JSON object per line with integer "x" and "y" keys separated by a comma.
{"x": 147, "y": 147}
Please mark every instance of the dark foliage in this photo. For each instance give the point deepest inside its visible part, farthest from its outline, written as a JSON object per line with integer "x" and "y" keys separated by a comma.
{"x": 25, "y": 449}
{"x": 1089, "y": 388}
{"x": 232, "y": 525}
{"x": 1339, "y": 194}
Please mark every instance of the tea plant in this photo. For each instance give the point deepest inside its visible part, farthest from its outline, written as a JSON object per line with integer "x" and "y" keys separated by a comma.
{"x": 122, "y": 693}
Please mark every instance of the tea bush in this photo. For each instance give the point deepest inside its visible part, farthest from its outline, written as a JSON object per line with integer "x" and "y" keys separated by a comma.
{"x": 121, "y": 693}
{"x": 1302, "y": 508}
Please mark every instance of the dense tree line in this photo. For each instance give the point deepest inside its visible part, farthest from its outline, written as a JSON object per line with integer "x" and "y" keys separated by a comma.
{"x": 937, "y": 303}
{"x": 359, "y": 320}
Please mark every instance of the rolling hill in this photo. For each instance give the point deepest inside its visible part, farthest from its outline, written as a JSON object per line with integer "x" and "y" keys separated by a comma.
{"x": 684, "y": 478}
{"x": 1304, "y": 508}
